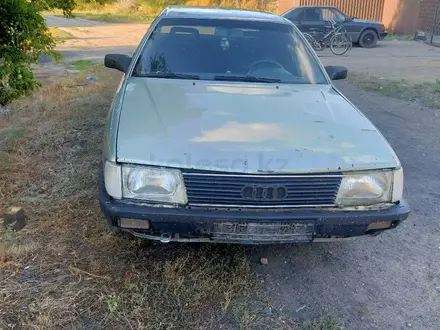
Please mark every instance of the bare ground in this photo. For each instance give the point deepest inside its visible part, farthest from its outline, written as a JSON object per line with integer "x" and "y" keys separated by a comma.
{"x": 388, "y": 282}
{"x": 92, "y": 39}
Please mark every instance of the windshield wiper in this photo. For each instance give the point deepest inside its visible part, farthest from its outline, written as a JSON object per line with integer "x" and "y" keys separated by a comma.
{"x": 168, "y": 75}
{"x": 247, "y": 79}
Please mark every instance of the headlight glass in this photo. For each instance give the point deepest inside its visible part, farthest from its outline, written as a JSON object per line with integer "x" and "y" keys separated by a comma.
{"x": 153, "y": 184}
{"x": 112, "y": 179}
{"x": 365, "y": 189}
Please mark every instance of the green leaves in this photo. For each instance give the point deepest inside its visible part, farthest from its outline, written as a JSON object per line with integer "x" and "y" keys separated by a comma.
{"x": 24, "y": 37}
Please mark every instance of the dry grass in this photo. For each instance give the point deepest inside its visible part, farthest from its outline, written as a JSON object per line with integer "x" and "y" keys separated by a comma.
{"x": 145, "y": 13}
{"x": 65, "y": 269}
{"x": 269, "y": 6}
{"x": 426, "y": 93}
{"x": 113, "y": 13}
{"x": 59, "y": 35}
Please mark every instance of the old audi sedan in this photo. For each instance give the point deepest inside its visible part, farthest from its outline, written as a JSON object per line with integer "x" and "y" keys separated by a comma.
{"x": 227, "y": 128}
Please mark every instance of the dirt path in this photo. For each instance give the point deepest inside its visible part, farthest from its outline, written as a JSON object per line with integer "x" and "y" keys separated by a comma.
{"x": 388, "y": 282}
{"x": 410, "y": 60}
{"x": 95, "y": 39}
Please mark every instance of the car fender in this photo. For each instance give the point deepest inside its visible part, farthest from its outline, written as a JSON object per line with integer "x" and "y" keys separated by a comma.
{"x": 369, "y": 28}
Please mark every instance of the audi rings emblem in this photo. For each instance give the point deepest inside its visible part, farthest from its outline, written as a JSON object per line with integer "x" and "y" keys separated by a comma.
{"x": 264, "y": 193}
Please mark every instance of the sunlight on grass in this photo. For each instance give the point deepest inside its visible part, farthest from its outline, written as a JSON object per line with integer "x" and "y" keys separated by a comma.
{"x": 145, "y": 13}
{"x": 59, "y": 35}
{"x": 115, "y": 18}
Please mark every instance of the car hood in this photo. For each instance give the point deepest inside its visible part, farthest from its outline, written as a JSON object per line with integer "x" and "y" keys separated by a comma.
{"x": 365, "y": 21}
{"x": 241, "y": 127}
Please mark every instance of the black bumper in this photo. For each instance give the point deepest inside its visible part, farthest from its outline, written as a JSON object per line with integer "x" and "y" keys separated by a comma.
{"x": 382, "y": 35}
{"x": 201, "y": 222}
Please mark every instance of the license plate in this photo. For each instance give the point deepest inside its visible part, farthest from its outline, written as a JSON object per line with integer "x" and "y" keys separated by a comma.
{"x": 255, "y": 232}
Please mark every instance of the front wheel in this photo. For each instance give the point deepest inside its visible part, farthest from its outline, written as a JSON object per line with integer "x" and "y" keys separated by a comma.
{"x": 368, "y": 39}
{"x": 339, "y": 44}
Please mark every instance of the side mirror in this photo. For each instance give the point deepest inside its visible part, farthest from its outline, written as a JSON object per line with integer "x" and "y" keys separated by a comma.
{"x": 336, "y": 72}
{"x": 117, "y": 61}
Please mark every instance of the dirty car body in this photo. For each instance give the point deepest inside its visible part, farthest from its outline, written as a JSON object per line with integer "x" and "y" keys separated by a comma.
{"x": 227, "y": 128}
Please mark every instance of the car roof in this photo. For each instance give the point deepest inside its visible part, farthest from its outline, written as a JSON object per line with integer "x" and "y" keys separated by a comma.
{"x": 221, "y": 13}
{"x": 302, "y": 7}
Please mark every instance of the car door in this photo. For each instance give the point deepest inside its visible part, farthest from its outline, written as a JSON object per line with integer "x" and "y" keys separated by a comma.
{"x": 353, "y": 29}
{"x": 296, "y": 16}
{"x": 312, "y": 21}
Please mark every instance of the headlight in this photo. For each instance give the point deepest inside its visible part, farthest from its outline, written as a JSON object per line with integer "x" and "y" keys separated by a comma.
{"x": 365, "y": 189}
{"x": 113, "y": 179}
{"x": 153, "y": 184}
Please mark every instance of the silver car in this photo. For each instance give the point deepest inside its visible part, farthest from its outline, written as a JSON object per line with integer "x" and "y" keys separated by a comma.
{"x": 227, "y": 128}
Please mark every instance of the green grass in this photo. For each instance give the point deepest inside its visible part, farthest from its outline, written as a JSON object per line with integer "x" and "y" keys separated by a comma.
{"x": 323, "y": 323}
{"x": 12, "y": 133}
{"x": 59, "y": 35}
{"x": 115, "y": 18}
{"x": 83, "y": 65}
{"x": 437, "y": 86}
{"x": 396, "y": 36}
{"x": 426, "y": 93}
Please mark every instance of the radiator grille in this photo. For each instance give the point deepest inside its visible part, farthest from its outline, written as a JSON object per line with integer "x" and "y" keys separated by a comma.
{"x": 266, "y": 191}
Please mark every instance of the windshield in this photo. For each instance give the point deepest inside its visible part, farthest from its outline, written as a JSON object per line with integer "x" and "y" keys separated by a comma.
{"x": 227, "y": 50}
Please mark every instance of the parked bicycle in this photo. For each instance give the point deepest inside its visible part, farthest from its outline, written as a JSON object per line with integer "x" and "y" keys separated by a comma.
{"x": 336, "y": 38}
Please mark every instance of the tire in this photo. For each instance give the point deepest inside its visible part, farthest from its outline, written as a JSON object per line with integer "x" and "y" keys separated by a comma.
{"x": 339, "y": 44}
{"x": 312, "y": 42}
{"x": 368, "y": 39}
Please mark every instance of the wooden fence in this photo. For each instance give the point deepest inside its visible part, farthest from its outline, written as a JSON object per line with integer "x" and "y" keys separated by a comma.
{"x": 365, "y": 9}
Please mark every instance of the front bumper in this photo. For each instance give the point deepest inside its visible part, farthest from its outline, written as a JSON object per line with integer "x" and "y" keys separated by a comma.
{"x": 382, "y": 35}
{"x": 248, "y": 226}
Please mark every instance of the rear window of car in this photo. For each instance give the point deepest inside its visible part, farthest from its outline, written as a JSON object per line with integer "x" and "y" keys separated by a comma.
{"x": 212, "y": 48}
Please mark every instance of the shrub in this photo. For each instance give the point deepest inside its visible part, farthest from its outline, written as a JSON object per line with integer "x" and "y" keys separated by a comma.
{"x": 24, "y": 37}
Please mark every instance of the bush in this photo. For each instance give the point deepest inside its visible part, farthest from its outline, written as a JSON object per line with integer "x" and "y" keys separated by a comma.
{"x": 24, "y": 37}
